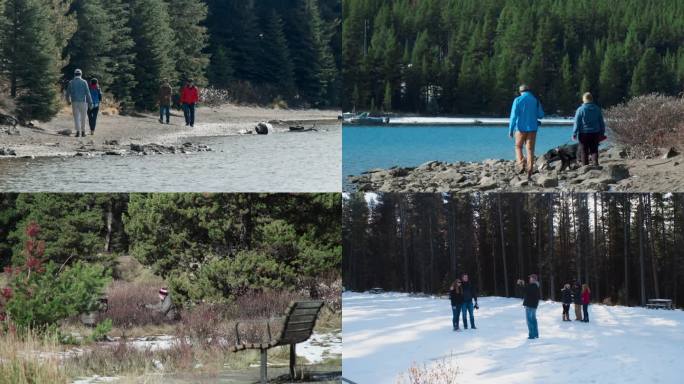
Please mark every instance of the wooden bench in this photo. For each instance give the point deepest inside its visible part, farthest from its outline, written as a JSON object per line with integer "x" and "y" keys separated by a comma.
{"x": 298, "y": 324}
{"x": 659, "y": 303}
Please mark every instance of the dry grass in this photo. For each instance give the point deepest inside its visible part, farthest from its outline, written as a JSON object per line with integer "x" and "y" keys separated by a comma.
{"x": 646, "y": 124}
{"x": 442, "y": 372}
{"x": 20, "y": 361}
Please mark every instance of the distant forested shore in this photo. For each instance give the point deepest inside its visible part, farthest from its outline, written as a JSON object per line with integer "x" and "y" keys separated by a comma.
{"x": 467, "y": 57}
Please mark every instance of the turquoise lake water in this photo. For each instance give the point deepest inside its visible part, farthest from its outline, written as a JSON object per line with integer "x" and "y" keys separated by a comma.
{"x": 366, "y": 148}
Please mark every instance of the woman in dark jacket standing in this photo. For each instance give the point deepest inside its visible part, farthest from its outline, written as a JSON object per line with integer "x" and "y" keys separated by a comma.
{"x": 566, "y": 297}
{"x": 456, "y": 297}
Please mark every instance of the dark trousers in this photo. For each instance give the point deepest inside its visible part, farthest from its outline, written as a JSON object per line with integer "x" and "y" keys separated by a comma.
{"x": 589, "y": 146}
{"x": 585, "y": 309}
{"x": 92, "y": 117}
{"x": 468, "y": 307}
{"x": 165, "y": 110}
{"x": 566, "y": 310}
{"x": 189, "y": 113}
{"x": 456, "y": 312}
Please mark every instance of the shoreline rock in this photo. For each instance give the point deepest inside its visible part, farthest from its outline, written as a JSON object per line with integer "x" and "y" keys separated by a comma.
{"x": 113, "y": 148}
{"x": 496, "y": 175}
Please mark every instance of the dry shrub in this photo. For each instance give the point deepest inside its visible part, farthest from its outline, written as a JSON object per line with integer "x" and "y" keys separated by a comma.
{"x": 126, "y": 304}
{"x": 214, "y": 97}
{"x": 442, "y": 372}
{"x": 647, "y": 123}
{"x": 202, "y": 324}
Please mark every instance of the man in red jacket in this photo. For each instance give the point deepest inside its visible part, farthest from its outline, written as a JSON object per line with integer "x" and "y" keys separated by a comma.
{"x": 189, "y": 98}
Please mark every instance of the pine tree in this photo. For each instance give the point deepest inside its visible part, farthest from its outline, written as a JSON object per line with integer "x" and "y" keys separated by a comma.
{"x": 153, "y": 49}
{"x": 121, "y": 54}
{"x": 304, "y": 51}
{"x": 190, "y": 38}
{"x": 649, "y": 75}
{"x": 276, "y": 67}
{"x": 29, "y": 59}
{"x": 611, "y": 81}
{"x": 568, "y": 90}
{"x": 89, "y": 47}
{"x": 387, "y": 100}
{"x": 221, "y": 73}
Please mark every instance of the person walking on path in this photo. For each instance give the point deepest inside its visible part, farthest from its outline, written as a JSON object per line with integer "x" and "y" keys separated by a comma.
{"x": 566, "y": 298}
{"x": 469, "y": 295}
{"x": 165, "y": 101}
{"x": 531, "y": 303}
{"x": 586, "y": 298}
{"x": 96, "y": 96}
{"x": 589, "y": 129}
{"x": 523, "y": 126}
{"x": 456, "y": 298}
{"x": 78, "y": 95}
{"x": 577, "y": 299}
{"x": 189, "y": 99}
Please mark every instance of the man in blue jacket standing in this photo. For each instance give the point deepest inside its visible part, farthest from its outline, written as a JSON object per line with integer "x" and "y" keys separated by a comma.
{"x": 525, "y": 115}
{"x": 590, "y": 129}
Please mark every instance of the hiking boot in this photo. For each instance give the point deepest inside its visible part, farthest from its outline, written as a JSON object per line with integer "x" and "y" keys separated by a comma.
{"x": 92, "y": 132}
{"x": 473, "y": 327}
{"x": 520, "y": 169}
{"x": 161, "y": 121}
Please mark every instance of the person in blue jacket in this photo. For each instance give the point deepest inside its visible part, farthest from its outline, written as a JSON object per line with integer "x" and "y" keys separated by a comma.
{"x": 590, "y": 129}
{"x": 524, "y": 123}
{"x": 96, "y": 95}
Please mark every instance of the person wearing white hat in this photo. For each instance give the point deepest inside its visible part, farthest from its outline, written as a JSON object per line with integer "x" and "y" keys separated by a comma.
{"x": 78, "y": 95}
{"x": 165, "y": 307}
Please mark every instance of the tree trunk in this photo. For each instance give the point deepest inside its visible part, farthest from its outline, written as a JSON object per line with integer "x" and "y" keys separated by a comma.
{"x": 110, "y": 218}
{"x": 402, "y": 231}
{"x": 640, "y": 222}
{"x": 626, "y": 230}
{"x": 503, "y": 246}
{"x": 550, "y": 245}
{"x": 651, "y": 246}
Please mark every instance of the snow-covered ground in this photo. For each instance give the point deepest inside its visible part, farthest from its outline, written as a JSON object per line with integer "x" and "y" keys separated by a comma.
{"x": 385, "y": 334}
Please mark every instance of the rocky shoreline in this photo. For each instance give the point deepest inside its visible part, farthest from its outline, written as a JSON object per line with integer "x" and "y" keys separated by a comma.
{"x": 113, "y": 148}
{"x": 616, "y": 173}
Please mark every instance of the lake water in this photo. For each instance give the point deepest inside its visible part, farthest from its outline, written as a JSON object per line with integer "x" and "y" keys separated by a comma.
{"x": 366, "y": 148}
{"x": 284, "y": 162}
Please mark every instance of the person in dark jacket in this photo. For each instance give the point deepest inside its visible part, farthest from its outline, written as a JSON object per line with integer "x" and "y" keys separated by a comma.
{"x": 586, "y": 299}
{"x": 165, "y": 307}
{"x": 589, "y": 129}
{"x": 577, "y": 299}
{"x": 531, "y": 302}
{"x": 469, "y": 295}
{"x": 566, "y": 298}
{"x": 456, "y": 298}
{"x": 165, "y": 101}
{"x": 96, "y": 95}
{"x": 520, "y": 288}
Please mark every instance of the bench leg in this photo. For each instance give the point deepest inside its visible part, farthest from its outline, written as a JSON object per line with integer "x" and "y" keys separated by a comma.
{"x": 264, "y": 372}
{"x": 293, "y": 360}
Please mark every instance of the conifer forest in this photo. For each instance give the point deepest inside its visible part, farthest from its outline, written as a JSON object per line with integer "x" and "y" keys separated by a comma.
{"x": 625, "y": 246}
{"x": 463, "y": 57}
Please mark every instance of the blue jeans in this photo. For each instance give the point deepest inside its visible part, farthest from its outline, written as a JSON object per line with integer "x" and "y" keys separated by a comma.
{"x": 164, "y": 110}
{"x": 532, "y": 322}
{"x": 468, "y": 307}
{"x": 456, "y": 311}
{"x": 189, "y": 112}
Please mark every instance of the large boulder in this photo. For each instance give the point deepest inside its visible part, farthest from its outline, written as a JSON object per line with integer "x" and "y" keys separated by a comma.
{"x": 547, "y": 181}
{"x": 618, "y": 172}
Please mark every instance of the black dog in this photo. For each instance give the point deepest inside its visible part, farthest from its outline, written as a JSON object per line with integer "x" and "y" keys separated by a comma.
{"x": 567, "y": 154}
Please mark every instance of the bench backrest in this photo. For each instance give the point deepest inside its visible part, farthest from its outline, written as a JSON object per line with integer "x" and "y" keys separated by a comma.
{"x": 300, "y": 319}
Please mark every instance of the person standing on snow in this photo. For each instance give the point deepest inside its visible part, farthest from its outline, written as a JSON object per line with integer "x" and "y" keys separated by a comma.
{"x": 586, "y": 299}
{"x": 531, "y": 302}
{"x": 525, "y": 114}
{"x": 577, "y": 299}
{"x": 78, "y": 95}
{"x": 469, "y": 295}
{"x": 566, "y": 298}
{"x": 96, "y": 96}
{"x": 456, "y": 298}
{"x": 189, "y": 98}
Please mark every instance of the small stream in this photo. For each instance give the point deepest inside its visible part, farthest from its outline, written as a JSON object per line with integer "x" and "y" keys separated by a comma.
{"x": 281, "y": 162}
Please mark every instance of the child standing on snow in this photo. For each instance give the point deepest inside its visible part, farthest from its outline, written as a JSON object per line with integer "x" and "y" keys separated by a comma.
{"x": 456, "y": 298}
{"x": 566, "y": 298}
{"x": 586, "y": 298}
